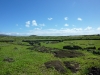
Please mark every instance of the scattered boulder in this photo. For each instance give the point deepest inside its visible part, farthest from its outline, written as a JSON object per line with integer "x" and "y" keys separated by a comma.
{"x": 42, "y": 49}
{"x": 56, "y": 64}
{"x": 67, "y": 47}
{"x": 73, "y": 66}
{"x": 74, "y": 47}
{"x": 8, "y": 59}
{"x": 96, "y": 52}
{"x": 90, "y": 48}
{"x": 67, "y": 53}
{"x": 32, "y": 42}
{"x": 98, "y": 48}
{"x": 94, "y": 71}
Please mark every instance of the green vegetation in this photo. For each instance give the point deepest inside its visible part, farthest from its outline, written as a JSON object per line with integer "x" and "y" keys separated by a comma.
{"x": 16, "y": 58}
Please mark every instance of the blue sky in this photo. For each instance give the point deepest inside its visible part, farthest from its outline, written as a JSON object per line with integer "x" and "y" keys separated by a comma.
{"x": 49, "y": 17}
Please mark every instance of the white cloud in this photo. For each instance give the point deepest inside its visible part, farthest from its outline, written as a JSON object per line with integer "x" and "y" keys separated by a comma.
{"x": 77, "y": 29}
{"x": 88, "y": 28}
{"x": 80, "y": 19}
{"x": 52, "y": 29}
{"x": 58, "y": 32}
{"x": 27, "y": 24}
{"x": 37, "y": 28}
{"x": 98, "y": 28}
{"x": 42, "y": 24}
{"x": 50, "y": 18}
{"x": 34, "y": 23}
{"x": 66, "y": 18}
{"x": 13, "y": 33}
{"x": 66, "y": 25}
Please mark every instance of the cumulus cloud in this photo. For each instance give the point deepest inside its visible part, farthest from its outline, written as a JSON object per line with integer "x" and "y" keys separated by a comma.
{"x": 66, "y": 25}
{"x": 37, "y": 28}
{"x": 27, "y": 24}
{"x": 88, "y": 28}
{"x": 80, "y": 19}
{"x": 77, "y": 29}
{"x": 13, "y": 33}
{"x": 59, "y": 32}
{"x": 42, "y": 24}
{"x": 34, "y": 23}
{"x": 98, "y": 28}
{"x": 50, "y": 18}
{"x": 66, "y": 18}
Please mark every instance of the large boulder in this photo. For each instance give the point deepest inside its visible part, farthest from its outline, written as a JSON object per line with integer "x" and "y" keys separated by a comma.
{"x": 94, "y": 71}
{"x": 56, "y": 64}
{"x": 74, "y": 47}
{"x": 73, "y": 66}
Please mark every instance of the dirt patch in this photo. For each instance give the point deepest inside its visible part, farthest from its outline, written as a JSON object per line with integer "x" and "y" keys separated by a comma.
{"x": 8, "y": 59}
{"x": 55, "y": 64}
{"x": 94, "y": 71}
{"x": 73, "y": 66}
{"x": 67, "y": 53}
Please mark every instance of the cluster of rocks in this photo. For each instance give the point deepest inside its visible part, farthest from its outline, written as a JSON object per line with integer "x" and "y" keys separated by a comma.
{"x": 67, "y": 53}
{"x": 90, "y": 48}
{"x": 62, "y": 53}
{"x": 42, "y": 49}
{"x": 94, "y": 71}
{"x": 96, "y": 52}
{"x": 57, "y": 52}
{"x": 74, "y": 47}
{"x": 61, "y": 66}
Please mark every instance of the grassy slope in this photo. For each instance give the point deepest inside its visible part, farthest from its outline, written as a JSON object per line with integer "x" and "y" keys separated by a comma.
{"x": 32, "y": 63}
{"x": 26, "y": 62}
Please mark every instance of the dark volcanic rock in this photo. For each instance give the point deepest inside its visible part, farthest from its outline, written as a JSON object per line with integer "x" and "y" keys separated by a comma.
{"x": 67, "y": 53}
{"x": 94, "y": 71}
{"x": 55, "y": 64}
{"x": 73, "y": 66}
{"x": 74, "y": 47}
{"x": 43, "y": 49}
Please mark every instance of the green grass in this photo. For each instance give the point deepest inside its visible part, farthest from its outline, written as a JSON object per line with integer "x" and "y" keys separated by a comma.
{"x": 32, "y": 63}
{"x": 26, "y": 62}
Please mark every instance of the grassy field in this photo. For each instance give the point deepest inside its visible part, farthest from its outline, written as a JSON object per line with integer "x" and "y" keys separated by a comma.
{"x": 31, "y": 62}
